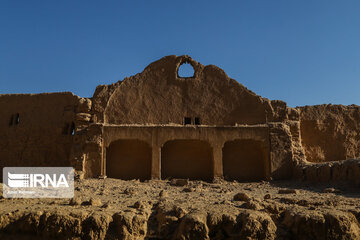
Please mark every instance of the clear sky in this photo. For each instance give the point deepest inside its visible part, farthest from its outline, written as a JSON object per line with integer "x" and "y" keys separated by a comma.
{"x": 302, "y": 52}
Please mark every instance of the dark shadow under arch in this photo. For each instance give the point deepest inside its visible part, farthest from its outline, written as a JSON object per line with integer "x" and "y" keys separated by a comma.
{"x": 128, "y": 159}
{"x": 245, "y": 160}
{"x": 192, "y": 159}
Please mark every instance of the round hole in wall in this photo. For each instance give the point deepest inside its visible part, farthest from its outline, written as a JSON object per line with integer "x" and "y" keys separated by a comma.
{"x": 186, "y": 70}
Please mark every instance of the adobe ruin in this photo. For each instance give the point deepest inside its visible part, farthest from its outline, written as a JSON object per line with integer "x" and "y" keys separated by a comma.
{"x": 157, "y": 125}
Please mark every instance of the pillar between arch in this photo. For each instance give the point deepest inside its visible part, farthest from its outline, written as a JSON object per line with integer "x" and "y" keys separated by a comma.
{"x": 217, "y": 161}
{"x": 156, "y": 162}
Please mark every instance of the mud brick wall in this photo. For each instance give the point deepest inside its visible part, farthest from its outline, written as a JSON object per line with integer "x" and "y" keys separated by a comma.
{"x": 37, "y": 129}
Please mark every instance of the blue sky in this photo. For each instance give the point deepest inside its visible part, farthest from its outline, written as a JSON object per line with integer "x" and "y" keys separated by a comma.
{"x": 302, "y": 52}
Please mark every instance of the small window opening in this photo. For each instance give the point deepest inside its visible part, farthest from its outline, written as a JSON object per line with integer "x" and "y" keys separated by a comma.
{"x": 197, "y": 121}
{"x": 72, "y": 130}
{"x": 187, "y": 121}
{"x": 17, "y": 119}
{"x": 11, "y": 120}
{"x": 186, "y": 70}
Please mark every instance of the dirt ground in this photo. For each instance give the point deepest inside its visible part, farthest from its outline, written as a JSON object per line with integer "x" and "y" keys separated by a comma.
{"x": 182, "y": 209}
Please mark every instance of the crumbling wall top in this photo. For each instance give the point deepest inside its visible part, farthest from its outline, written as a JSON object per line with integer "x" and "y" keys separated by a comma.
{"x": 159, "y": 95}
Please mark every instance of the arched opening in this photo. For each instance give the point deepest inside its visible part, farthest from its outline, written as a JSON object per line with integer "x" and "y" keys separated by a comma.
{"x": 186, "y": 70}
{"x": 244, "y": 160}
{"x": 191, "y": 159}
{"x": 128, "y": 159}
